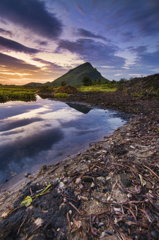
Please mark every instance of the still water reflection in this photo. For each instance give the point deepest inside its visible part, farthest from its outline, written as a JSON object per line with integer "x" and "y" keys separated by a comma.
{"x": 40, "y": 132}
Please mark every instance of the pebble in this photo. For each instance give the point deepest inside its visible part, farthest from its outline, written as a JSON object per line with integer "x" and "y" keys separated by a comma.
{"x": 125, "y": 180}
{"x": 27, "y": 174}
{"x": 154, "y": 234}
{"x": 78, "y": 180}
{"x": 108, "y": 178}
{"x": 102, "y": 235}
{"x": 65, "y": 180}
{"x": 44, "y": 167}
{"x": 61, "y": 185}
{"x": 100, "y": 180}
{"x": 87, "y": 179}
{"x": 39, "y": 221}
{"x": 31, "y": 176}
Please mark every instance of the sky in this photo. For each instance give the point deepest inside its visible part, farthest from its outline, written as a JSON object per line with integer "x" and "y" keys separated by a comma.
{"x": 40, "y": 40}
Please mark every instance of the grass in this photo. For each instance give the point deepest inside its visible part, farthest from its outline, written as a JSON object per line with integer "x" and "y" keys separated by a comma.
{"x": 15, "y": 93}
{"x": 61, "y": 95}
{"x": 95, "y": 88}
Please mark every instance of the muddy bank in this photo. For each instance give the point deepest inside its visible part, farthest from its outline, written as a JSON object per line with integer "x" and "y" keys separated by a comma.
{"x": 109, "y": 191}
{"x": 114, "y": 100}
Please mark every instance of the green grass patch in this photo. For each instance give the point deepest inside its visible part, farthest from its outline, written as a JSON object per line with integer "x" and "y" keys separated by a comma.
{"x": 17, "y": 94}
{"x": 96, "y": 88}
{"x": 61, "y": 95}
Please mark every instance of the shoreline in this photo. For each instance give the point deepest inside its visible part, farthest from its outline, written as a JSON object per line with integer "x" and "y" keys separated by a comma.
{"x": 32, "y": 171}
{"x": 92, "y": 191}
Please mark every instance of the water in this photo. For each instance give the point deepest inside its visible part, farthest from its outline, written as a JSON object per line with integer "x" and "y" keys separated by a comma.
{"x": 42, "y": 132}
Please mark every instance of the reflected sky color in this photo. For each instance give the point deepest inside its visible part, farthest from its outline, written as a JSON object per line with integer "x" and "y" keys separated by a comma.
{"x": 38, "y": 133}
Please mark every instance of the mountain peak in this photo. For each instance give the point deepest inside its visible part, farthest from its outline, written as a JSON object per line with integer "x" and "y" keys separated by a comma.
{"x": 75, "y": 75}
{"x": 86, "y": 64}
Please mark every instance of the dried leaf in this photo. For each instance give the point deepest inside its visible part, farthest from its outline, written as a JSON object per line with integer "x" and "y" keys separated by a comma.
{"x": 138, "y": 189}
{"x": 5, "y": 214}
{"x": 83, "y": 198}
{"x": 77, "y": 223}
{"x": 143, "y": 182}
{"x": 39, "y": 221}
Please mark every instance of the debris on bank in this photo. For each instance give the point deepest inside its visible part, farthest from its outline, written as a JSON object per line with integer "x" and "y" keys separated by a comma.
{"x": 67, "y": 89}
{"x": 110, "y": 191}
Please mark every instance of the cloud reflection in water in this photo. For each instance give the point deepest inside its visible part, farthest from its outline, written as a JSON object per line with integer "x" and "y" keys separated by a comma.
{"x": 36, "y": 133}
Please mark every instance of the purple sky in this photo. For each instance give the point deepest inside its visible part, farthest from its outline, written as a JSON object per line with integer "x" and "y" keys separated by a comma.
{"x": 41, "y": 40}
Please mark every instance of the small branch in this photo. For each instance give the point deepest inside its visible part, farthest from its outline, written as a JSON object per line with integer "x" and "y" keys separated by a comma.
{"x": 22, "y": 224}
{"x": 74, "y": 208}
{"x": 68, "y": 219}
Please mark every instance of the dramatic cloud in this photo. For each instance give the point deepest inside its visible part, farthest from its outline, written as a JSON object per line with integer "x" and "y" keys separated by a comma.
{"x": 85, "y": 33}
{"x": 138, "y": 50}
{"x": 149, "y": 59}
{"x": 80, "y": 9}
{"x": 15, "y": 46}
{"x": 120, "y": 16}
{"x": 144, "y": 57}
{"x": 147, "y": 18}
{"x": 32, "y": 15}
{"x": 51, "y": 65}
{"x": 128, "y": 36}
{"x": 42, "y": 43}
{"x": 6, "y": 32}
{"x": 15, "y": 64}
{"x": 118, "y": 37}
{"x": 94, "y": 52}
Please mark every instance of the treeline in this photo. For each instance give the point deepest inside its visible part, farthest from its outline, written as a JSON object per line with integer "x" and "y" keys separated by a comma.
{"x": 86, "y": 81}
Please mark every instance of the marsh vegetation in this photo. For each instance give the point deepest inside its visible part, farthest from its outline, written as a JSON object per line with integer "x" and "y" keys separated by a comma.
{"x": 12, "y": 93}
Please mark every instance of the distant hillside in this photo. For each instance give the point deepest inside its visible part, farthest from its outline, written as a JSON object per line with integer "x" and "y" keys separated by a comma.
{"x": 75, "y": 75}
{"x": 144, "y": 87}
{"x": 33, "y": 84}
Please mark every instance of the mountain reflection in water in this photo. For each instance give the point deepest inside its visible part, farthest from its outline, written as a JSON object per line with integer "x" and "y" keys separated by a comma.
{"x": 79, "y": 107}
{"x": 41, "y": 132}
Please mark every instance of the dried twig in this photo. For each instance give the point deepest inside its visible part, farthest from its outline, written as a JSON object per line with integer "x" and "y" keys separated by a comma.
{"x": 151, "y": 171}
{"x": 75, "y": 208}
{"x": 22, "y": 224}
{"x": 92, "y": 230}
{"x": 69, "y": 224}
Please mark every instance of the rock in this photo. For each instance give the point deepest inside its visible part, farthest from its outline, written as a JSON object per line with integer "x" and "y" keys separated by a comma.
{"x": 108, "y": 178}
{"x": 31, "y": 176}
{"x": 100, "y": 180}
{"x": 101, "y": 224}
{"x": 102, "y": 235}
{"x": 27, "y": 174}
{"x": 61, "y": 185}
{"x": 44, "y": 167}
{"x": 87, "y": 179}
{"x": 65, "y": 180}
{"x": 149, "y": 185}
{"x": 78, "y": 180}
{"x": 125, "y": 180}
{"x": 154, "y": 234}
